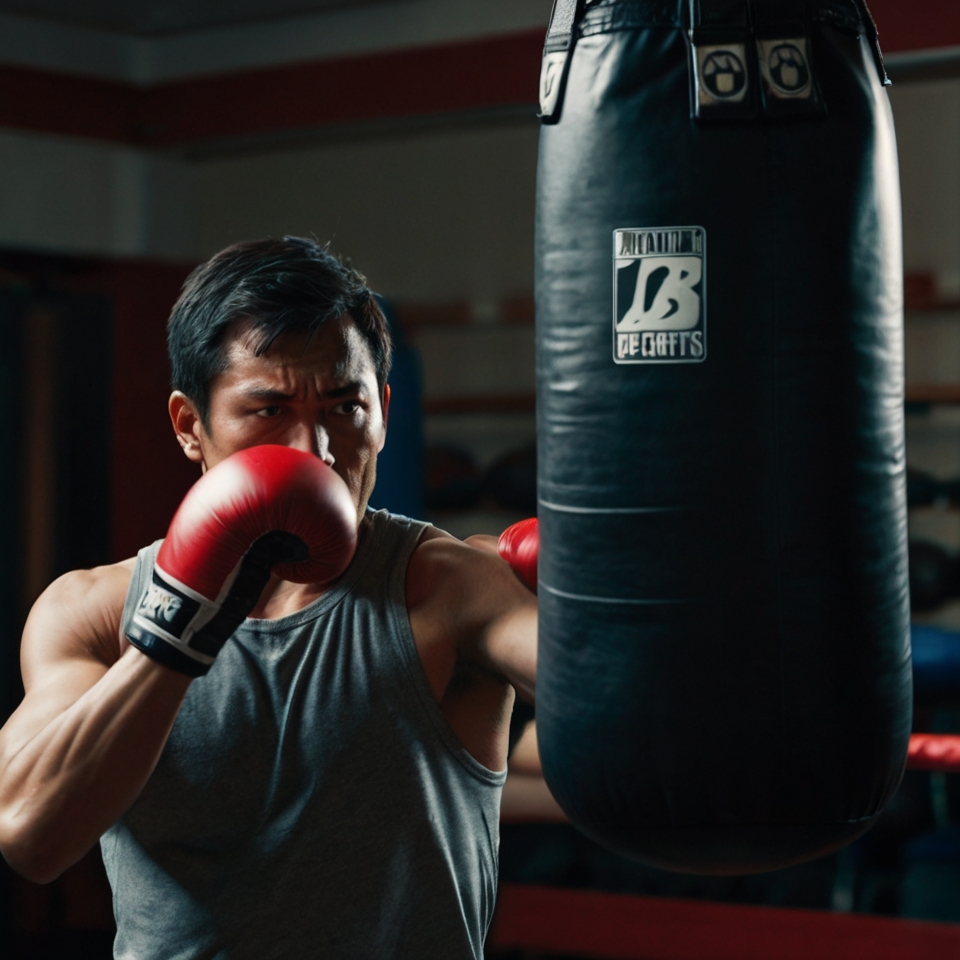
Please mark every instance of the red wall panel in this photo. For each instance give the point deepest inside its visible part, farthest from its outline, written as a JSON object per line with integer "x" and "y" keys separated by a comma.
{"x": 453, "y": 78}
{"x": 916, "y": 24}
{"x": 149, "y": 473}
{"x": 60, "y": 103}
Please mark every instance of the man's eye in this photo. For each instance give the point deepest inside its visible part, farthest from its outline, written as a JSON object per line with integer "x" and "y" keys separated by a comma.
{"x": 348, "y": 406}
{"x": 268, "y": 411}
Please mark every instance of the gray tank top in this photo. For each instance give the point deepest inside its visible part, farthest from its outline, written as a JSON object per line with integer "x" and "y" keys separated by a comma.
{"x": 311, "y": 801}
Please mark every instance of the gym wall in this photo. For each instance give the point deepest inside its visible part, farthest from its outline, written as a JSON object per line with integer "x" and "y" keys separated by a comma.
{"x": 436, "y": 214}
{"x": 151, "y": 154}
{"x": 928, "y": 133}
{"x": 90, "y": 198}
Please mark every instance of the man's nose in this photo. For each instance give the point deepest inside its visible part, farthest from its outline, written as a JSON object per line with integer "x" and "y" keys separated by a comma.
{"x": 313, "y": 438}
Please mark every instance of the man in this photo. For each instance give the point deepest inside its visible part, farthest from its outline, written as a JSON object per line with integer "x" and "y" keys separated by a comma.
{"x": 330, "y": 788}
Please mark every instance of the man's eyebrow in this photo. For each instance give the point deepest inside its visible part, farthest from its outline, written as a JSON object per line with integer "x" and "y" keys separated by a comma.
{"x": 266, "y": 395}
{"x": 355, "y": 386}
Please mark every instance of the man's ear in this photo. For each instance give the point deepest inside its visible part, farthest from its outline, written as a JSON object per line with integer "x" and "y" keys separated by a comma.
{"x": 385, "y": 407}
{"x": 187, "y": 425}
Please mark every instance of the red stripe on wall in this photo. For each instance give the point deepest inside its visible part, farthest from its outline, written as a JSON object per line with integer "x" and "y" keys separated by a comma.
{"x": 502, "y": 71}
{"x": 149, "y": 473}
{"x": 452, "y": 78}
{"x": 75, "y": 106}
{"x": 621, "y": 927}
{"x": 905, "y": 25}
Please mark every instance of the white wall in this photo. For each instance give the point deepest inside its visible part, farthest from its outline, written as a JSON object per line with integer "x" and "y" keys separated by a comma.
{"x": 70, "y": 196}
{"x": 928, "y": 134}
{"x": 436, "y": 215}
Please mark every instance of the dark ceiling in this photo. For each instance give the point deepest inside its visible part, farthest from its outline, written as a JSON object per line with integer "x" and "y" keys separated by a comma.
{"x": 152, "y": 17}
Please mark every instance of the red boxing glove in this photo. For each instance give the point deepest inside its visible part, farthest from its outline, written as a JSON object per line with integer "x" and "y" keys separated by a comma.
{"x": 262, "y": 508}
{"x": 519, "y": 545}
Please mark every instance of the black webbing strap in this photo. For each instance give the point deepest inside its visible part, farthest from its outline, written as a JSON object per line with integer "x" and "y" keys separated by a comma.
{"x": 721, "y": 20}
{"x": 870, "y": 28}
{"x": 563, "y": 19}
{"x": 778, "y": 17}
{"x": 556, "y": 56}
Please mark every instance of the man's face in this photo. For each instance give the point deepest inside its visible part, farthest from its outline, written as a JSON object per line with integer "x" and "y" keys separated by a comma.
{"x": 317, "y": 394}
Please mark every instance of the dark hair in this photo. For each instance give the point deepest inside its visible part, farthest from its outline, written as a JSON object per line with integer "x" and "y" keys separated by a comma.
{"x": 291, "y": 285}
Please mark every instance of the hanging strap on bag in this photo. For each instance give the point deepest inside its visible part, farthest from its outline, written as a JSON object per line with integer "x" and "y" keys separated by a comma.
{"x": 557, "y": 52}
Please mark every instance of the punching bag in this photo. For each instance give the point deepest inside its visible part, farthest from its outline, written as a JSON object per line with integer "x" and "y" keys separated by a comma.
{"x": 724, "y": 674}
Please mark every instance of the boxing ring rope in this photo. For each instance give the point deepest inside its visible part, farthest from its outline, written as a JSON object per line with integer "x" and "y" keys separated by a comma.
{"x": 625, "y": 927}
{"x": 934, "y": 751}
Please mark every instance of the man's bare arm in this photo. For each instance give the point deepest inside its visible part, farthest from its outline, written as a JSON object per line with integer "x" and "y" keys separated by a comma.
{"x": 478, "y": 599}
{"x": 526, "y": 797}
{"x": 508, "y": 641}
{"x": 80, "y": 747}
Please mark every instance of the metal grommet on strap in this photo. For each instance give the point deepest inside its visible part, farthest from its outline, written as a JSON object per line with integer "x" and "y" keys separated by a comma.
{"x": 557, "y": 51}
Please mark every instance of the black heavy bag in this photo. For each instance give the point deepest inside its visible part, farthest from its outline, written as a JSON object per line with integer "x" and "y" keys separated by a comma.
{"x": 724, "y": 680}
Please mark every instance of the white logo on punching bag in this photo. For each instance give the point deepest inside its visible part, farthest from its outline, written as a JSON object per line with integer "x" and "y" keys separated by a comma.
{"x": 674, "y": 305}
{"x": 788, "y": 69}
{"x": 785, "y": 68}
{"x": 659, "y": 305}
{"x": 721, "y": 75}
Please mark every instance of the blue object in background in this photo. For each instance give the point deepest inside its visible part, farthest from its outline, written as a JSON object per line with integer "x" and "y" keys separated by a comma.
{"x": 400, "y": 465}
{"x": 930, "y": 888}
{"x": 936, "y": 663}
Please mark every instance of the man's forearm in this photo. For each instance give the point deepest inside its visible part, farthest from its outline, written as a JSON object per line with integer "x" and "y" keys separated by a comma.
{"x": 66, "y": 779}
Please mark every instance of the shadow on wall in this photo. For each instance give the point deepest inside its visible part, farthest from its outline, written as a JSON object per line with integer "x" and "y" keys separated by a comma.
{"x": 55, "y": 389}
{"x": 90, "y": 473}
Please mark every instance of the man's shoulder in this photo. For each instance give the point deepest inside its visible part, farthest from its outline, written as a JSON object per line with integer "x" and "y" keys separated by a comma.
{"x": 77, "y": 616}
{"x": 445, "y": 570}
{"x": 439, "y": 551}
{"x": 80, "y": 589}
{"x": 393, "y": 532}
{"x": 463, "y": 597}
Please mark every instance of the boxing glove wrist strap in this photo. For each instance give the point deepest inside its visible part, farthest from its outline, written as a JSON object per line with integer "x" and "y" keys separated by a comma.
{"x": 167, "y": 625}
{"x": 184, "y": 630}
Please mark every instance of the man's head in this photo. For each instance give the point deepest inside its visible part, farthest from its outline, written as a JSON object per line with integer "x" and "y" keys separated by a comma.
{"x": 278, "y": 341}
{"x": 288, "y": 286}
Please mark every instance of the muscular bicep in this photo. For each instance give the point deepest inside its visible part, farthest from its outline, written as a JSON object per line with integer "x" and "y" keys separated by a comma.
{"x": 509, "y": 643}
{"x": 72, "y": 636}
{"x": 79, "y": 748}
